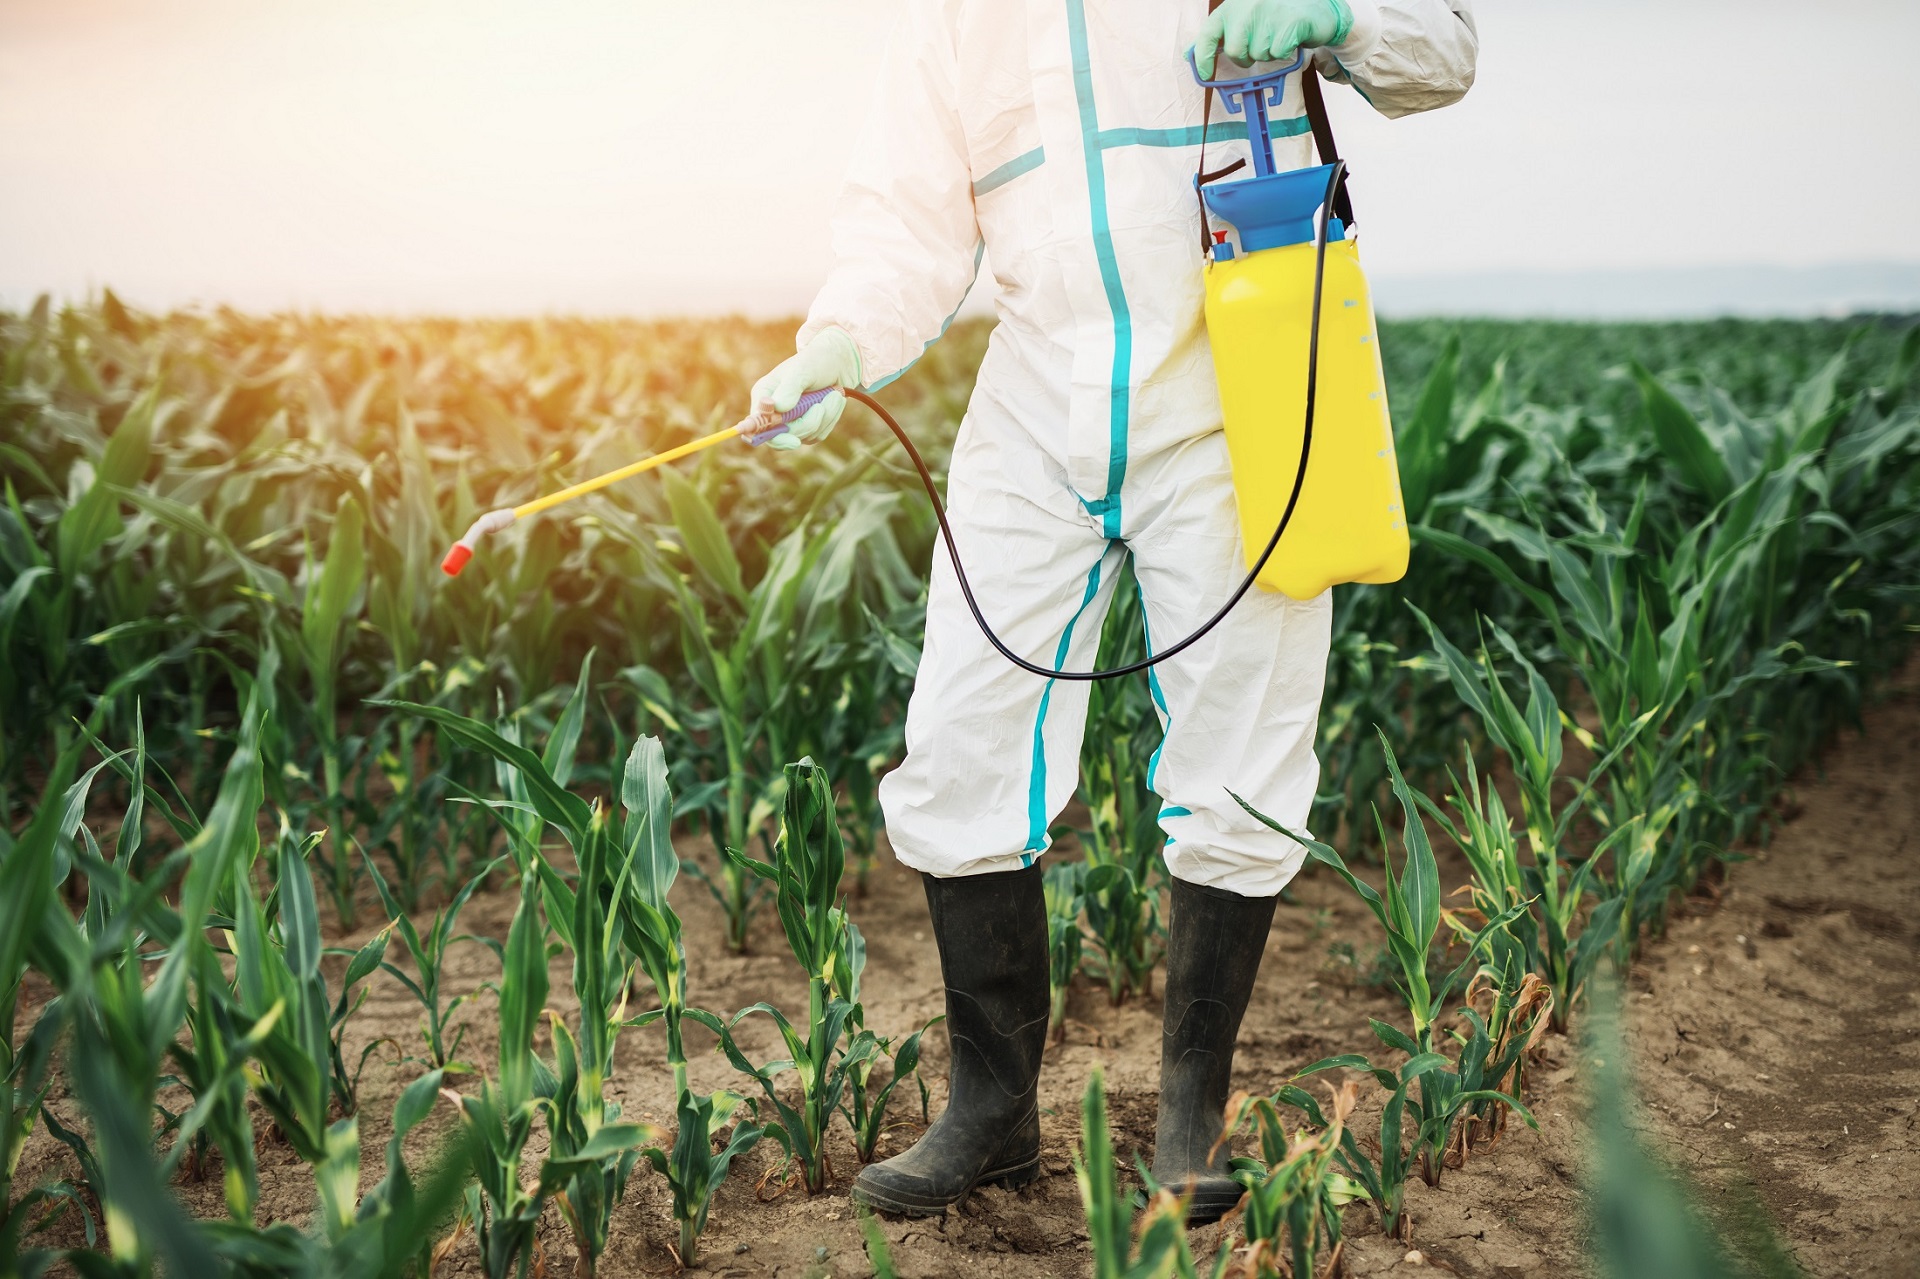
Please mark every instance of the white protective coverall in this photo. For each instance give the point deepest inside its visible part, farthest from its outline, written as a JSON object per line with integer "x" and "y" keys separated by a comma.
{"x": 1062, "y": 136}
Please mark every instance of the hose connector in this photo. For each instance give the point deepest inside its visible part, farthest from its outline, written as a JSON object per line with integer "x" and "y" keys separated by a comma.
{"x": 462, "y": 550}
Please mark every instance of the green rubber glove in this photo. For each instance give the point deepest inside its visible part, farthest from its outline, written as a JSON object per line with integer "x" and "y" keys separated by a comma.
{"x": 830, "y": 359}
{"x": 1250, "y": 31}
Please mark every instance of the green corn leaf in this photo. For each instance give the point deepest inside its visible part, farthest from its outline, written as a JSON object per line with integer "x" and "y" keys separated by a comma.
{"x": 564, "y": 740}
{"x": 1393, "y": 1037}
{"x": 648, "y": 801}
{"x": 1682, "y": 439}
{"x": 1421, "y": 451}
{"x": 299, "y": 913}
{"x": 551, "y": 800}
{"x": 87, "y": 525}
{"x": 704, "y": 536}
{"x": 1420, "y": 878}
{"x": 1457, "y": 547}
{"x": 332, "y": 593}
{"x": 523, "y": 994}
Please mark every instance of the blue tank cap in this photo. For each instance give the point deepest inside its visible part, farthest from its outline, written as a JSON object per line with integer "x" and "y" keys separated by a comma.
{"x": 1276, "y": 210}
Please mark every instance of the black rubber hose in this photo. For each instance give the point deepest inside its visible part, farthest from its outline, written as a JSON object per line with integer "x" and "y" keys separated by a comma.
{"x": 1339, "y": 170}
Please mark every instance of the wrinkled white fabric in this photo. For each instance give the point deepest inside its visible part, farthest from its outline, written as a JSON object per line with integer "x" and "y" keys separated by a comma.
{"x": 1063, "y": 134}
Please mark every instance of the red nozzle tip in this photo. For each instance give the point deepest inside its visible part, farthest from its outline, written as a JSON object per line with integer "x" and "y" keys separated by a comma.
{"x": 456, "y": 560}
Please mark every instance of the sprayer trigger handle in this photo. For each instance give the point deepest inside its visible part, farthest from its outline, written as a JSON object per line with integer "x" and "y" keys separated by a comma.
{"x": 792, "y": 415}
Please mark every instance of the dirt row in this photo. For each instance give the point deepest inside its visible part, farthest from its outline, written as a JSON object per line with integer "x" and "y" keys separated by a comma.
{"x": 1773, "y": 1032}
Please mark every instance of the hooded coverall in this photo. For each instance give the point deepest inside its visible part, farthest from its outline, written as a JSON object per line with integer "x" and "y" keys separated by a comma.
{"x": 1061, "y": 137}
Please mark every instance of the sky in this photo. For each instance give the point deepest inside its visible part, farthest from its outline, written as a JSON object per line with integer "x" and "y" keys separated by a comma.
{"x": 641, "y": 157}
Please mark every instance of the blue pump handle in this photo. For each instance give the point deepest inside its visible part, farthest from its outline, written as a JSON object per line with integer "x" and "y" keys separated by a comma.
{"x": 792, "y": 415}
{"x": 1252, "y": 94}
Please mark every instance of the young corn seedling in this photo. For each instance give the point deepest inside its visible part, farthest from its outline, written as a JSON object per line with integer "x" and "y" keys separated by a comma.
{"x": 27, "y": 866}
{"x": 584, "y": 1128}
{"x": 303, "y": 1071}
{"x": 806, "y": 870}
{"x": 1532, "y": 741}
{"x": 1291, "y": 1214}
{"x": 333, "y": 591}
{"x": 428, "y": 952}
{"x": 866, "y": 1103}
{"x": 1409, "y": 911}
{"x": 1443, "y": 1105}
{"x": 1157, "y": 1248}
{"x": 1519, "y": 1011}
{"x": 501, "y": 1118}
{"x": 592, "y": 1153}
{"x": 1065, "y": 897}
{"x": 124, "y": 971}
{"x": 652, "y": 930}
{"x": 1382, "y": 1181}
{"x": 865, "y": 1107}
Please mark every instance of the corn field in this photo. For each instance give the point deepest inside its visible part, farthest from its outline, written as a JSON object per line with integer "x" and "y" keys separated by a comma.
{"x": 243, "y": 717}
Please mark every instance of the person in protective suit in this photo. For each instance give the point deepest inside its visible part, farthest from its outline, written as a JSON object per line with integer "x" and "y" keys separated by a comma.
{"x": 1061, "y": 137}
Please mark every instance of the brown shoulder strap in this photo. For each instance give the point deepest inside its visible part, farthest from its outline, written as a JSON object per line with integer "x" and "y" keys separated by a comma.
{"x": 1323, "y": 136}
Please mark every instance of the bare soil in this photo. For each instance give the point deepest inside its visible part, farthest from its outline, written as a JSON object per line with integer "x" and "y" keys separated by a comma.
{"x": 1774, "y": 1033}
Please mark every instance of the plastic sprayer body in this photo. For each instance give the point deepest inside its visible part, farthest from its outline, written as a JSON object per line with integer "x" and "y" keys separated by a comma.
{"x": 1350, "y": 523}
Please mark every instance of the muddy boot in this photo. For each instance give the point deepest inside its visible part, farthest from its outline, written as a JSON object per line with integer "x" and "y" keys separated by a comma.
{"x": 1214, "y": 942}
{"x": 992, "y": 934}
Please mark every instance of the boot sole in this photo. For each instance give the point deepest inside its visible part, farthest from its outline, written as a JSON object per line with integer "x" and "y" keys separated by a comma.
{"x": 1010, "y": 1177}
{"x": 1206, "y": 1207}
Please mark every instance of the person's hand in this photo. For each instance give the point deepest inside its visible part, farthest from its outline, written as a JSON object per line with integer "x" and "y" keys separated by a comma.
{"x": 830, "y": 360}
{"x": 1250, "y": 31}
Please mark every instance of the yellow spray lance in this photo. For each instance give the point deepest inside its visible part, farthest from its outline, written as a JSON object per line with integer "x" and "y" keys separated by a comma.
{"x": 756, "y": 429}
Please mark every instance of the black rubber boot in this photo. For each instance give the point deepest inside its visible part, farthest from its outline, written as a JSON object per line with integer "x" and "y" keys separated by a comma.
{"x": 992, "y": 934}
{"x": 1214, "y": 942}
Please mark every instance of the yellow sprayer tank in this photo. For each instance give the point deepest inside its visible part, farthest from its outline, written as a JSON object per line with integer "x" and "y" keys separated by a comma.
{"x": 1350, "y": 524}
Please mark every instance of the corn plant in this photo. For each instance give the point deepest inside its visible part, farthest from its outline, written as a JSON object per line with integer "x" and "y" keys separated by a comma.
{"x": 303, "y": 1075}
{"x": 332, "y": 596}
{"x": 866, "y": 1102}
{"x": 865, "y": 1107}
{"x": 1291, "y": 1214}
{"x": 1155, "y": 1249}
{"x": 123, "y": 1018}
{"x": 500, "y": 1120}
{"x": 592, "y": 1152}
{"x": 1519, "y": 1011}
{"x": 652, "y": 928}
{"x": 28, "y": 867}
{"x": 1532, "y": 739}
{"x": 808, "y": 862}
{"x": 1443, "y": 1104}
{"x": 614, "y": 917}
{"x": 1065, "y": 897}
{"x": 1409, "y": 911}
{"x": 692, "y": 1168}
{"x": 428, "y": 952}
{"x": 1382, "y": 1181}
{"x": 784, "y": 666}
{"x": 584, "y": 1128}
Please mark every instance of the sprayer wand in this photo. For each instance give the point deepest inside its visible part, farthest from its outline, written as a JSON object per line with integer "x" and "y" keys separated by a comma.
{"x": 756, "y": 429}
